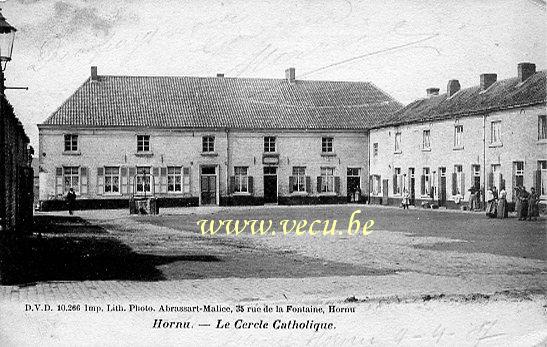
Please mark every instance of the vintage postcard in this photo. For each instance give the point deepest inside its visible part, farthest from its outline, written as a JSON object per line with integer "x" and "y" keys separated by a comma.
{"x": 233, "y": 172}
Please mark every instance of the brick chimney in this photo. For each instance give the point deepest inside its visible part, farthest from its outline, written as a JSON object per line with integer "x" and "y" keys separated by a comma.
{"x": 290, "y": 75}
{"x": 431, "y": 92}
{"x": 453, "y": 87}
{"x": 526, "y": 70}
{"x": 220, "y": 75}
{"x": 487, "y": 79}
{"x": 94, "y": 76}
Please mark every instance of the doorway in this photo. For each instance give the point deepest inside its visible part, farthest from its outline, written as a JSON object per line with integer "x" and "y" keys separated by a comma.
{"x": 354, "y": 184}
{"x": 208, "y": 183}
{"x": 270, "y": 185}
{"x": 411, "y": 185}
{"x": 442, "y": 186}
{"x": 385, "y": 191}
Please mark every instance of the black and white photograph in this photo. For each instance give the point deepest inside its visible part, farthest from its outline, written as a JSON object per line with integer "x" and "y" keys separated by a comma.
{"x": 257, "y": 173}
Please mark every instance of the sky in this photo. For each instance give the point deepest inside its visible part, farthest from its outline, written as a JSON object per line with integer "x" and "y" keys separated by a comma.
{"x": 401, "y": 46}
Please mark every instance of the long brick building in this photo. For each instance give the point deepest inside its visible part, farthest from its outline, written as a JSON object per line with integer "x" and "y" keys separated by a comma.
{"x": 438, "y": 147}
{"x": 199, "y": 141}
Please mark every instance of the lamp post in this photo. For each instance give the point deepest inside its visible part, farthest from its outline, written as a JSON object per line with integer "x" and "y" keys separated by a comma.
{"x": 7, "y": 36}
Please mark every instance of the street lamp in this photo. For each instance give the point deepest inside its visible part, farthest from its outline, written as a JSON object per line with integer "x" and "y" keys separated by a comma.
{"x": 7, "y": 35}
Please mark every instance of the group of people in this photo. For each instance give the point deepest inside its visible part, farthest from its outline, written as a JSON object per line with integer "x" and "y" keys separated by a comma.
{"x": 527, "y": 204}
{"x": 496, "y": 203}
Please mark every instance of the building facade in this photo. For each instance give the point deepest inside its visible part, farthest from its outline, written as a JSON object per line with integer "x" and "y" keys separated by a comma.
{"x": 437, "y": 148}
{"x": 200, "y": 141}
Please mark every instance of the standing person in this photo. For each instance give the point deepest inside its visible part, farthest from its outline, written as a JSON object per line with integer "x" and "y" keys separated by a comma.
{"x": 518, "y": 203}
{"x": 406, "y": 199}
{"x": 472, "y": 199}
{"x": 523, "y": 203}
{"x": 502, "y": 205}
{"x": 71, "y": 200}
{"x": 533, "y": 205}
{"x": 490, "y": 204}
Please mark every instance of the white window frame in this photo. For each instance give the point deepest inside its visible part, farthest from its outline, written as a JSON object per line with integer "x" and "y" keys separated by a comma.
{"x": 270, "y": 144}
{"x": 458, "y": 169}
{"x": 174, "y": 179}
{"x": 73, "y": 177}
{"x": 299, "y": 174}
{"x": 208, "y": 144}
{"x": 398, "y": 142}
{"x": 426, "y": 139}
{"x": 241, "y": 174}
{"x": 399, "y": 178}
{"x": 72, "y": 141}
{"x": 458, "y": 136}
{"x": 495, "y": 132}
{"x": 140, "y": 181}
{"x": 427, "y": 181}
{"x": 110, "y": 178}
{"x": 376, "y": 185}
{"x": 143, "y": 143}
{"x": 327, "y": 145}
{"x": 542, "y": 127}
{"x": 542, "y": 186}
{"x": 327, "y": 180}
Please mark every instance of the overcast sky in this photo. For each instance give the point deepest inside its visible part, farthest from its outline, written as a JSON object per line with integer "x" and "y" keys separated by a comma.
{"x": 401, "y": 46}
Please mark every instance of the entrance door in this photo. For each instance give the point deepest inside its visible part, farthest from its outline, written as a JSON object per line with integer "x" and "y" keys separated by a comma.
{"x": 208, "y": 185}
{"x": 385, "y": 190}
{"x": 354, "y": 184}
{"x": 442, "y": 186}
{"x": 411, "y": 184}
{"x": 270, "y": 185}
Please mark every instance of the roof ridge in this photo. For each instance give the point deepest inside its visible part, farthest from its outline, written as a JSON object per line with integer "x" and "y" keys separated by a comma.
{"x": 237, "y": 78}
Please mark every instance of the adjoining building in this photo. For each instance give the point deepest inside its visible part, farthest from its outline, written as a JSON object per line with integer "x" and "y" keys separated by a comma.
{"x": 200, "y": 141}
{"x": 16, "y": 174}
{"x": 437, "y": 148}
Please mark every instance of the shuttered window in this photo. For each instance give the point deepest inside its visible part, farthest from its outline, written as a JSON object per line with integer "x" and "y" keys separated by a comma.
{"x": 241, "y": 181}
{"x": 327, "y": 180}
{"x": 71, "y": 178}
{"x": 111, "y": 180}
{"x": 298, "y": 181}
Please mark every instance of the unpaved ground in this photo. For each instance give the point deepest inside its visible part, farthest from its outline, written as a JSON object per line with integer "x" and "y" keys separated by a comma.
{"x": 442, "y": 285}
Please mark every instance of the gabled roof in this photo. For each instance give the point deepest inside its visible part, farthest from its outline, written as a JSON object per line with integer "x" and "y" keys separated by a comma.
{"x": 243, "y": 103}
{"x": 501, "y": 95}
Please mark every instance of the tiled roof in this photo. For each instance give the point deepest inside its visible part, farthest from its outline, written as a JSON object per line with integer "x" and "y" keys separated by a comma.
{"x": 244, "y": 103}
{"x": 503, "y": 94}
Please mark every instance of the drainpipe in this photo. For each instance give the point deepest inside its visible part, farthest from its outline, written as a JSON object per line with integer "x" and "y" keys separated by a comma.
{"x": 368, "y": 168}
{"x": 227, "y": 162}
{"x": 483, "y": 194}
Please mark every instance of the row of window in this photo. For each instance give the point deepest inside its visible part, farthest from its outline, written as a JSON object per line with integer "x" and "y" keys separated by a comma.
{"x": 495, "y": 136}
{"x": 176, "y": 179}
{"x": 208, "y": 144}
{"x": 430, "y": 181}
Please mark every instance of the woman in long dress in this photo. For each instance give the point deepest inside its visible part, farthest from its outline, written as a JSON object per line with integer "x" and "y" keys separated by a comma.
{"x": 533, "y": 208}
{"x": 523, "y": 198}
{"x": 490, "y": 204}
{"x": 502, "y": 204}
